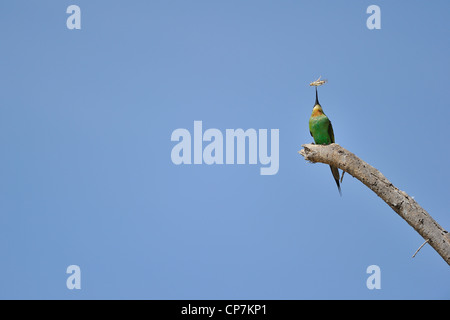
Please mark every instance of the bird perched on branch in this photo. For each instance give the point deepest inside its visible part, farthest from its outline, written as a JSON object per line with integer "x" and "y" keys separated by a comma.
{"x": 321, "y": 129}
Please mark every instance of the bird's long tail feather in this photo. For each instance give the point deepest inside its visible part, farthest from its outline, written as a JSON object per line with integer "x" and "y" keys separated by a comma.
{"x": 335, "y": 173}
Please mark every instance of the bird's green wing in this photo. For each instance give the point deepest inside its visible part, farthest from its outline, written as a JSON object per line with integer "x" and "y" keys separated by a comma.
{"x": 331, "y": 133}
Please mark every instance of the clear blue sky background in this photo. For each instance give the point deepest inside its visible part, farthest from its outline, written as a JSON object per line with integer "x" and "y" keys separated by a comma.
{"x": 86, "y": 176}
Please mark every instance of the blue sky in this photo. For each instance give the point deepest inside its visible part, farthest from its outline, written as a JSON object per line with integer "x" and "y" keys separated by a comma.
{"x": 87, "y": 179}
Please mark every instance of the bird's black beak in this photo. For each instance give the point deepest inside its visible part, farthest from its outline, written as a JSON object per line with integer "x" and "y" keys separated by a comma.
{"x": 317, "y": 98}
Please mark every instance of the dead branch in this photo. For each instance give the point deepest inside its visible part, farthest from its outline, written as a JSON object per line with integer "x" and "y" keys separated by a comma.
{"x": 404, "y": 205}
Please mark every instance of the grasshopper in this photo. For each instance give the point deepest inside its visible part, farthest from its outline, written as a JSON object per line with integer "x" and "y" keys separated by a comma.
{"x": 318, "y": 82}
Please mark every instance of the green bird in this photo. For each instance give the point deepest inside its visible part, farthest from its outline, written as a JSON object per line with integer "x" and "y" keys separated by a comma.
{"x": 321, "y": 130}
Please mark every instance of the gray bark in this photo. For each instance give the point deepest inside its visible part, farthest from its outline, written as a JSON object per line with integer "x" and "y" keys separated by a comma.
{"x": 404, "y": 205}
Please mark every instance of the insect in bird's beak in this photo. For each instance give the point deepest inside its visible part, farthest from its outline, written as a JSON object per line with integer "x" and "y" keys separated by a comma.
{"x": 318, "y": 82}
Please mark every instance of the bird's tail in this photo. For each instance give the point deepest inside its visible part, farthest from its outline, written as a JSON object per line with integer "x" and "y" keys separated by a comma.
{"x": 335, "y": 173}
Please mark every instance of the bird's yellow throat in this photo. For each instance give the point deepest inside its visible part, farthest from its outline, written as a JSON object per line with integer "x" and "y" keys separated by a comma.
{"x": 317, "y": 111}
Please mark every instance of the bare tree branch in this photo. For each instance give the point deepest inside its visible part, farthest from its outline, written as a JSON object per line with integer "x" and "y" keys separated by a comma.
{"x": 426, "y": 241}
{"x": 405, "y": 206}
